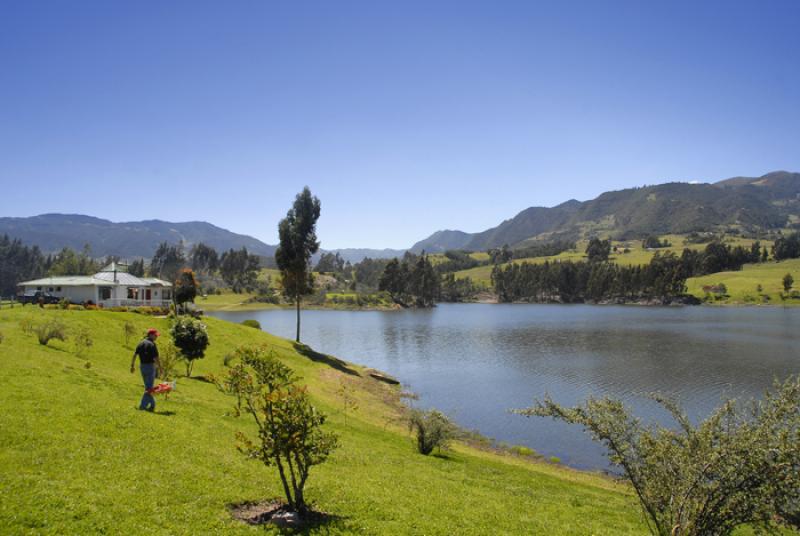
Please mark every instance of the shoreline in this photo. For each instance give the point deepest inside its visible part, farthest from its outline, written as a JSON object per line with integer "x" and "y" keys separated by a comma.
{"x": 245, "y": 307}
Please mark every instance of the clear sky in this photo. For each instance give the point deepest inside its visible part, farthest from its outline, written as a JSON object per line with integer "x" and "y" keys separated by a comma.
{"x": 403, "y": 117}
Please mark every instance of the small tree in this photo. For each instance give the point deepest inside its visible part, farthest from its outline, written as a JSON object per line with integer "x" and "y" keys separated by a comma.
{"x": 83, "y": 342}
{"x": 128, "y": 331}
{"x": 185, "y": 287}
{"x": 289, "y": 427}
{"x": 168, "y": 357}
{"x": 191, "y": 338}
{"x": 788, "y": 281}
{"x": 349, "y": 402}
{"x": 739, "y": 466}
{"x": 298, "y": 242}
{"x": 432, "y": 429}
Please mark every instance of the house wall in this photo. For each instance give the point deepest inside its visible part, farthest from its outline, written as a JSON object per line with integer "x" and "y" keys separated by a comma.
{"x": 73, "y": 294}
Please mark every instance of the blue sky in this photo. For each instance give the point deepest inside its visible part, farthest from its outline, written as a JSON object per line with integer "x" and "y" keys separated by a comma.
{"x": 404, "y": 117}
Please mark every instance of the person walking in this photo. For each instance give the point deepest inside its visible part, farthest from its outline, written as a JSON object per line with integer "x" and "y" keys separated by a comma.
{"x": 148, "y": 365}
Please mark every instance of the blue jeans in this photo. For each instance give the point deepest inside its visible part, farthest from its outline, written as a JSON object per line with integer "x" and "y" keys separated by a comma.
{"x": 149, "y": 378}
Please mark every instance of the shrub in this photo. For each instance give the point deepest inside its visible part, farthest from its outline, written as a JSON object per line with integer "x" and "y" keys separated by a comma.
{"x": 251, "y": 323}
{"x": 521, "y": 450}
{"x": 739, "y": 466}
{"x": 82, "y": 341}
{"x": 289, "y": 427}
{"x": 432, "y": 428}
{"x": 63, "y": 303}
{"x": 349, "y": 402}
{"x": 554, "y": 459}
{"x": 185, "y": 287}
{"x": 49, "y": 330}
{"x": 128, "y": 331}
{"x": 190, "y": 337}
{"x": 26, "y": 325}
{"x": 168, "y": 358}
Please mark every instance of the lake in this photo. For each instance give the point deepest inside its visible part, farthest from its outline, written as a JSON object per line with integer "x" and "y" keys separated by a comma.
{"x": 477, "y": 361}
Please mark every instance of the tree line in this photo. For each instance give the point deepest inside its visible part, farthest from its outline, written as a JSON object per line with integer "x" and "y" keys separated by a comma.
{"x": 596, "y": 280}
{"x": 20, "y": 262}
{"x": 412, "y": 281}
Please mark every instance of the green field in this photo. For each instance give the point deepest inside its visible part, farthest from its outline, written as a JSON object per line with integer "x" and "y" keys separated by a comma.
{"x": 743, "y": 285}
{"x": 77, "y": 458}
{"x": 636, "y": 255}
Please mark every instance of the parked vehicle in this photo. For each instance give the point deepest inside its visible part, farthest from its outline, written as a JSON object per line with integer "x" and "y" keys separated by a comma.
{"x": 37, "y": 296}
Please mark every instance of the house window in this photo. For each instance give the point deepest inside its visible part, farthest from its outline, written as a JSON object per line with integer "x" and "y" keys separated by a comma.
{"x": 38, "y": 288}
{"x": 50, "y": 289}
{"x": 105, "y": 293}
{"x": 167, "y": 295}
{"x": 133, "y": 293}
{"x": 58, "y": 289}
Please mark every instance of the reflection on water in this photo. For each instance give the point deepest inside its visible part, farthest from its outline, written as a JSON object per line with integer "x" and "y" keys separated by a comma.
{"x": 476, "y": 362}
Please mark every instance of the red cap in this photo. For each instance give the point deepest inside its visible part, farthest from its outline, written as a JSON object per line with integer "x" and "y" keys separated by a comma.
{"x": 153, "y": 331}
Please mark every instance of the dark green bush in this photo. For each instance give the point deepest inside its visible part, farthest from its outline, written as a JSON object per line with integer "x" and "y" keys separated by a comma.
{"x": 251, "y": 323}
{"x": 191, "y": 338}
{"x": 432, "y": 429}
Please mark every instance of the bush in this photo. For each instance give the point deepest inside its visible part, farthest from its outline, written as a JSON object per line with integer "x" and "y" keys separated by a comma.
{"x": 737, "y": 467}
{"x": 128, "y": 331}
{"x": 521, "y": 450}
{"x": 49, "y": 330}
{"x": 432, "y": 428}
{"x": 26, "y": 325}
{"x": 190, "y": 337}
{"x": 251, "y": 323}
{"x": 289, "y": 427}
{"x": 63, "y": 303}
{"x": 150, "y": 310}
{"x": 168, "y": 358}
{"x": 82, "y": 341}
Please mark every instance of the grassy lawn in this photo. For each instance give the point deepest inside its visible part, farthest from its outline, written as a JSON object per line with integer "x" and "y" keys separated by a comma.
{"x": 77, "y": 458}
{"x": 743, "y": 285}
{"x": 228, "y": 301}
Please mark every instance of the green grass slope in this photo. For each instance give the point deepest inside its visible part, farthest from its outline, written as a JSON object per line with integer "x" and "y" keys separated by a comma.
{"x": 77, "y": 458}
{"x": 636, "y": 255}
{"x": 743, "y": 285}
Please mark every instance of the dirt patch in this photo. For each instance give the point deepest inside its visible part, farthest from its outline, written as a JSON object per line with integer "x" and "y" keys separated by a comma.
{"x": 276, "y": 512}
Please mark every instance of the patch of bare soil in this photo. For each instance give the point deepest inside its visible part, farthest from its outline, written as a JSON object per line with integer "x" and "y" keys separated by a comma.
{"x": 276, "y": 512}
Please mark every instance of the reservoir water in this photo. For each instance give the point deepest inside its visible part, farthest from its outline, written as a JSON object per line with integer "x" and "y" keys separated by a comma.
{"x": 477, "y": 361}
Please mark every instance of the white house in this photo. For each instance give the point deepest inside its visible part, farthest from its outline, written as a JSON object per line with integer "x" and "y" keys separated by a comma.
{"x": 110, "y": 287}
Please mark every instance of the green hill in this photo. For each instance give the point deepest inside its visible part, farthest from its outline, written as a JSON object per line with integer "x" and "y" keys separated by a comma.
{"x": 77, "y": 458}
{"x": 750, "y": 204}
{"x": 743, "y": 286}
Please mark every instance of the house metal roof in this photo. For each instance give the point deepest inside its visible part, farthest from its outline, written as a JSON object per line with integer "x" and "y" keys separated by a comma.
{"x": 103, "y": 279}
{"x": 64, "y": 281}
{"x": 121, "y": 278}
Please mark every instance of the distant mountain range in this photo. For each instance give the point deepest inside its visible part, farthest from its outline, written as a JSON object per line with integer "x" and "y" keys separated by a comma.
{"x": 52, "y": 232}
{"x": 130, "y": 240}
{"x": 745, "y": 203}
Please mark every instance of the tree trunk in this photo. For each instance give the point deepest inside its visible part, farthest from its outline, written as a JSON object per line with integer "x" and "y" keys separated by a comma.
{"x": 297, "y": 301}
{"x": 286, "y": 491}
